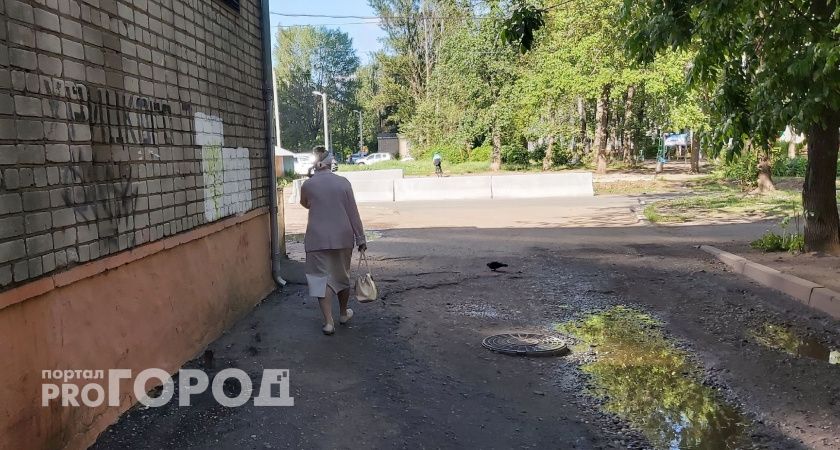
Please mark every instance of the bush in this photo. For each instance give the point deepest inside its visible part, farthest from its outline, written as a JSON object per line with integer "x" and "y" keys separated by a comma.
{"x": 742, "y": 168}
{"x": 450, "y": 153}
{"x": 538, "y": 154}
{"x": 481, "y": 154}
{"x": 786, "y": 242}
{"x": 790, "y": 167}
{"x": 562, "y": 156}
{"x": 287, "y": 179}
{"x": 772, "y": 242}
{"x": 515, "y": 155}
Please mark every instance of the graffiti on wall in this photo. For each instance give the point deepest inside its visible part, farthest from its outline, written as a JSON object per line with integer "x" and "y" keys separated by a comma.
{"x": 107, "y": 116}
{"x": 226, "y": 171}
{"x": 101, "y": 179}
{"x": 123, "y": 118}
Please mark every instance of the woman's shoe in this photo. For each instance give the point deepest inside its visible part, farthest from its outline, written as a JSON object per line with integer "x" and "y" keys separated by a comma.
{"x": 344, "y": 319}
{"x": 329, "y": 329}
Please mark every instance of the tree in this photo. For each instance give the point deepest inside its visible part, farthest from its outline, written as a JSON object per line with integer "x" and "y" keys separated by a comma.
{"x": 467, "y": 102}
{"x": 316, "y": 59}
{"x": 576, "y": 61}
{"x": 775, "y": 62}
{"x": 414, "y": 30}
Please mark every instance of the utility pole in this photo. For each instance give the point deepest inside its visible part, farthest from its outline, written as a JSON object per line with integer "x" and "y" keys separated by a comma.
{"x": 361, "y": 136}
{"x": 326, "y": 120}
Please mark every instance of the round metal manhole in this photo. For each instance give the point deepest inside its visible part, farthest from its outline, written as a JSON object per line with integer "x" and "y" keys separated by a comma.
{"x": 526, "y": 344}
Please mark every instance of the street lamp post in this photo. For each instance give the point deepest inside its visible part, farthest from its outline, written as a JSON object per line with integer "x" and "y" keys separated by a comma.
{"x": 361, "y": 137}
{"x": 326, "y": 120}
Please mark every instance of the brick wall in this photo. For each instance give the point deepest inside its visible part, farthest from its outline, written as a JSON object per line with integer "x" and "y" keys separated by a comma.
{"x": 122, "y": 122}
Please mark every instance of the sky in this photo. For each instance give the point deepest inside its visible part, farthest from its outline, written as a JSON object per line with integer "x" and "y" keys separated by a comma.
{"x": 365, "y": 36}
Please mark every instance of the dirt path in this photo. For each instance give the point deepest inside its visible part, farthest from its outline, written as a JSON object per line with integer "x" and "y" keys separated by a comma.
{"x": 410, "y": 371}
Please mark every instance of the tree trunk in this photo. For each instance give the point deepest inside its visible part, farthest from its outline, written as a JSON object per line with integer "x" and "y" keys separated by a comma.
{"x": 581, "y": 107}
{"x": 792, "y": 143}
{"x": 496, "y": 165}
{"x": 602, "y": 120}
{"x": 629, "y": 142}
{"x": 695, "y": 152}
{"x": 792, "y": 149}
{"x": 822, "y": 225}
{"x": 765, "y": 174}
{"x": 548, "y": 160}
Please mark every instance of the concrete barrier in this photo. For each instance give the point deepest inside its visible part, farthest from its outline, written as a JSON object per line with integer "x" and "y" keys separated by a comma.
{"x": 366, "y": 191}
{"x": 368, "y": 185}
{"x": 577, "y": 184}
{"x": 452, "y": 188}
{"x": 372, "y": 191}
{"x": 390, "y": 174}
{"x": 389, "y": 186}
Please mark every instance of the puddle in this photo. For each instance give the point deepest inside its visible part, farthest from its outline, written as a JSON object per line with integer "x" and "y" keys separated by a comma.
{"x": 644, "y": 379}
{"x": 782, "y": 338}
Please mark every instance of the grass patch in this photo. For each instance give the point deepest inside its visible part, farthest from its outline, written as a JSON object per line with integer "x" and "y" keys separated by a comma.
{"x": 642, "y": 377}
{"x": 725, "y": 203}
{"x": 663, "y": 185}
{"x": 636, "y": 187}
{"x": 772, "y": 242}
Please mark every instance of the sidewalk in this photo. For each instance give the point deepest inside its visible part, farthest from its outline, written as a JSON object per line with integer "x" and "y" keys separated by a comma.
{"x": 823, "y": 270}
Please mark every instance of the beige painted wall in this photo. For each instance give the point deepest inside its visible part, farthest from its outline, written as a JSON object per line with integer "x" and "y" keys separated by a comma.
{"x": 159, "y": 311}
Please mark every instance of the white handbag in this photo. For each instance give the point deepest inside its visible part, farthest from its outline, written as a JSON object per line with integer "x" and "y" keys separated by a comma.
{"x": 366, "y": 291}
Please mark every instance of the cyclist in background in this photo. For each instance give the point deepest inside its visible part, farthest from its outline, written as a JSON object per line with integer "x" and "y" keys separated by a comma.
{"x": 437, "y": 160}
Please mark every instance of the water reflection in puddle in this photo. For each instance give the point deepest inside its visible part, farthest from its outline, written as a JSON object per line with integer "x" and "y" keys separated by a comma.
{"x": 643, "y": 378}
{"x": 782, "y": 338}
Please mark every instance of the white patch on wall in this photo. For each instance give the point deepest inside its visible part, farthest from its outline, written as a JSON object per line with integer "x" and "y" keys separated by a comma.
{"x": 227, "y": 171}
{"x": 209, "y": 130}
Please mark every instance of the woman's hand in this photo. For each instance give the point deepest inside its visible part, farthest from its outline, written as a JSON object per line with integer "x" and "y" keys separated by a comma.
{"x": 362, "y": 248}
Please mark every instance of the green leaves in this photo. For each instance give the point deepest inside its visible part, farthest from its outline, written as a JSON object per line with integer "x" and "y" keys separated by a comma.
{"x": 525, "y": 20}
{"x": 315, "y": 59}
{"x": 774, "y": 62}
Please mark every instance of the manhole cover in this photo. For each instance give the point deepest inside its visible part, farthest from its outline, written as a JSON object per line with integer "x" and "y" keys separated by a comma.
{"x": 526, "y": 344}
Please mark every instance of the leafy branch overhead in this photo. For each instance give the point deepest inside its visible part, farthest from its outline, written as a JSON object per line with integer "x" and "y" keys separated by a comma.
{"x": 525, "y": 20}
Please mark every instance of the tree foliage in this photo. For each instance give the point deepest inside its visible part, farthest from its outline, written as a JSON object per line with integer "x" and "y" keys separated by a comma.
{"x": 316, "y": 59}
{"x": 770, "y": 63}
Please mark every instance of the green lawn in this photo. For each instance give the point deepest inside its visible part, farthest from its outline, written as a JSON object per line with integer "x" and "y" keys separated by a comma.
{"x": 421, "y": 168}
{"x": 718, "y": 199}
{"x": 722, "y": 202}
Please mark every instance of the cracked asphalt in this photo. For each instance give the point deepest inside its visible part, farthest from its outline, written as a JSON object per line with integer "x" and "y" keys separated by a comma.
{"x": 410, "y": 372}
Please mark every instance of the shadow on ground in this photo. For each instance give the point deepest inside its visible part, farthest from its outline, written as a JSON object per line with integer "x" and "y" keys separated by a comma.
{"x": 410, "y": 370}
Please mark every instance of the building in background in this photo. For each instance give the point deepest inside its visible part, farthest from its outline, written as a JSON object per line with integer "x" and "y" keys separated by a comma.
{"x": 134, "y": 194}
{"x": 394, "y": 144}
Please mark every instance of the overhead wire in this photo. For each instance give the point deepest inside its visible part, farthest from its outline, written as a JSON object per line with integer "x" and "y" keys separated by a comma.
{"x": 335, "y": 16}
{"x": 378, "y": 20}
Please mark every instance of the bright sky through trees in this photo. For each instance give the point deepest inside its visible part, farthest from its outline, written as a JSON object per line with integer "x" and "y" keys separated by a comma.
{"x": 365, "y": 36}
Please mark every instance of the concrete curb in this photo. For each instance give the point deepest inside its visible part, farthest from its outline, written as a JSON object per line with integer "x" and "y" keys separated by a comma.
{"x": 812, "y": 294}
{"x": 639, "y": 211}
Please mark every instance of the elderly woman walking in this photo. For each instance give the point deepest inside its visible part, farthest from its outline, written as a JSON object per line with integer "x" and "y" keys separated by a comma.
{"x": 334, "y": 229}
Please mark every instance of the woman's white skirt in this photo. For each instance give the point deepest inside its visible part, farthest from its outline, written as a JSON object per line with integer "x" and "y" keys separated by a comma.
{"x": 328, "y": 268}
